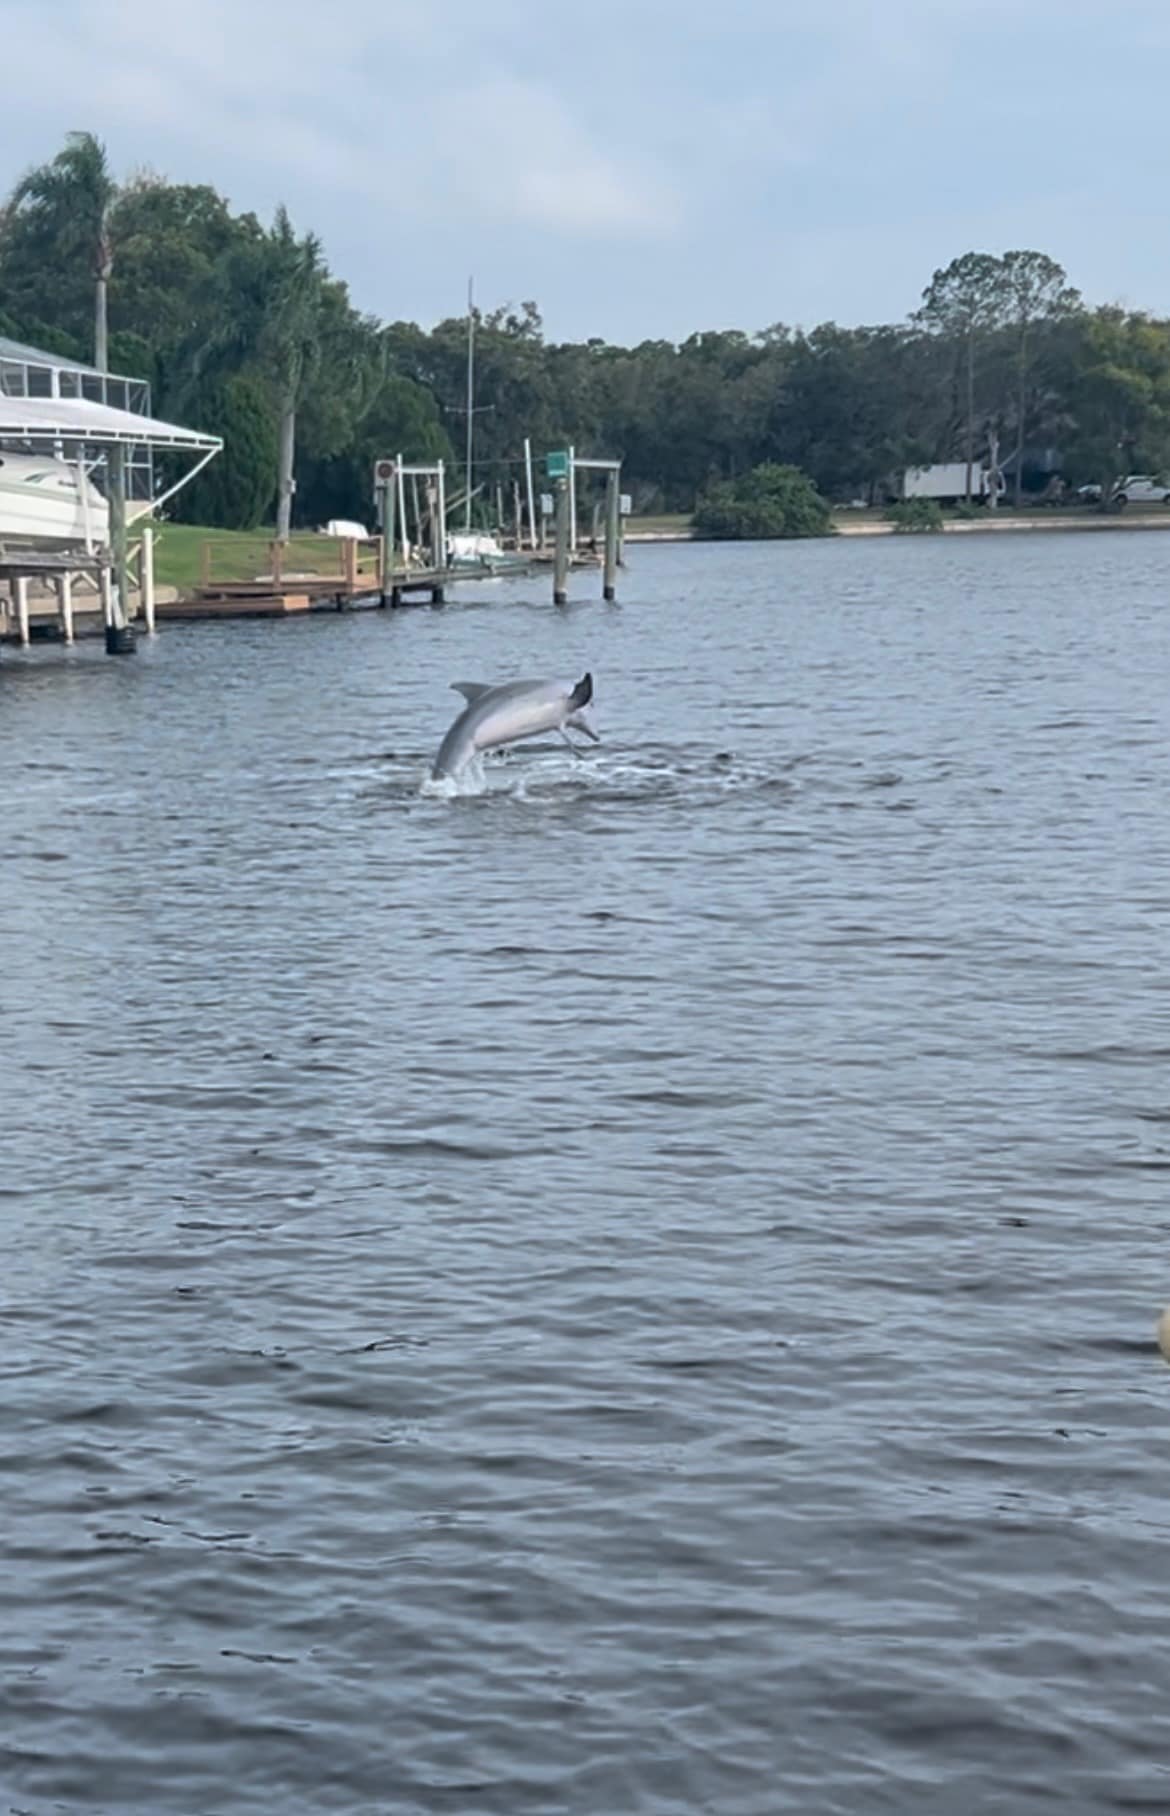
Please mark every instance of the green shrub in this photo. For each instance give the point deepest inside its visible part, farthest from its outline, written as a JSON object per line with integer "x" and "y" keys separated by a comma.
{"x": 769, "y": 503}
{"x": 915, "y": 514}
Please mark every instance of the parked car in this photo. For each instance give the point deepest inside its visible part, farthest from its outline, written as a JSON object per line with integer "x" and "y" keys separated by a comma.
{"x": 1142, "y": 488}
{"x": 1135, "y": 488}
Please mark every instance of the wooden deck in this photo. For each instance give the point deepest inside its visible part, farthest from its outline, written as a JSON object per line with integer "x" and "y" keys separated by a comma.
{"x": 354, "y": 581}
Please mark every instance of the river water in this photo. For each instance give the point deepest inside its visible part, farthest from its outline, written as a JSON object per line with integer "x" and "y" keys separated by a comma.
{"x": 632, "y": 1291}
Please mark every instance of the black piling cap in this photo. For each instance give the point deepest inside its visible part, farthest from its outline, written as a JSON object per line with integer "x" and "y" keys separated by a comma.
{"x": 582, "y": 693}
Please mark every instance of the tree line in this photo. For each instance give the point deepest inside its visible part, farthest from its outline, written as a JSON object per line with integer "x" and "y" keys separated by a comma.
{"x": 242, "y": 330}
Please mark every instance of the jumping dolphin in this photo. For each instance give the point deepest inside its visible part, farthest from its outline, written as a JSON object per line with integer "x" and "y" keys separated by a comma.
{"x": 504, "y": 715}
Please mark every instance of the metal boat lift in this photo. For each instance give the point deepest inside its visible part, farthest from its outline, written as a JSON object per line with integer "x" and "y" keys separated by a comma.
{"x": 97, "y": 435}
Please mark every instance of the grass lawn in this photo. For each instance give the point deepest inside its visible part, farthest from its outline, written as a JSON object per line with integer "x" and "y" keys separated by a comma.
{"x": 676, "y": 524}
{"x": 235, "y": 554}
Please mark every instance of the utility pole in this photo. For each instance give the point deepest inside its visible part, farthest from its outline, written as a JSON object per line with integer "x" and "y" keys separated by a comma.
{"x": 470, "y": 409}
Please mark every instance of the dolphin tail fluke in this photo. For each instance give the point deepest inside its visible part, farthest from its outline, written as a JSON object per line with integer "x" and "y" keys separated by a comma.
{"x": 582, "y": 693}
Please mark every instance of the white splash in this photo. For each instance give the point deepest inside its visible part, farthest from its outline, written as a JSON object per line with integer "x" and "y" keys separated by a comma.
{"x": 471, "y": 781}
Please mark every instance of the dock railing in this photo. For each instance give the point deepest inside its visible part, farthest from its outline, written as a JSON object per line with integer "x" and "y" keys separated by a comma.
{"x": 320, "y": 564}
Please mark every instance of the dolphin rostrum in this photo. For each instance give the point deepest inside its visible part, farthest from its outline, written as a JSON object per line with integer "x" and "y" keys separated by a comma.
{"x": 506, "y": 714}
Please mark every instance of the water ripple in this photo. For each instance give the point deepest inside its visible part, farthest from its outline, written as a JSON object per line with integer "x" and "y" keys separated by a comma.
{"x": 629, "y": 1290}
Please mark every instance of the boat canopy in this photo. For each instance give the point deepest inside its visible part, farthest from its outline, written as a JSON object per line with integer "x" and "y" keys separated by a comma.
{"x": 97, "y": 425}
{"x": 83, "y": 431}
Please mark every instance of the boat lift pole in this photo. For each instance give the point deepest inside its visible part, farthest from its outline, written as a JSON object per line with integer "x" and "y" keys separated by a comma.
{"x": 613, "y": 519}
{"x": 612, "y": 533}
{"x": 561, "y": 557}
{"x": 119, "y": 632}
{"x": 531, "y": 497}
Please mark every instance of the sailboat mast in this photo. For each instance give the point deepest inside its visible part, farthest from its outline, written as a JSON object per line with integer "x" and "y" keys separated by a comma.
{"x": 470, "y": 397}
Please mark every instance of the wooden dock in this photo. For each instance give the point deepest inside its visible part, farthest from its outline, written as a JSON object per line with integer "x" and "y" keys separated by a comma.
{"x": 263, "y": 598}
{"x": 355, "y": 580}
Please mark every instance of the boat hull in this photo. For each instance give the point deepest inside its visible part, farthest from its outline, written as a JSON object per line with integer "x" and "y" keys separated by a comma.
{"x": 48, "y": 503}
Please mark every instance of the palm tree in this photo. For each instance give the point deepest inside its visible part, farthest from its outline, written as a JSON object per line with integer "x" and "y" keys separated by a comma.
{"x": 290, "y": 341}
{"x": 63, "y": 209}
{"x": 270, "y": 320}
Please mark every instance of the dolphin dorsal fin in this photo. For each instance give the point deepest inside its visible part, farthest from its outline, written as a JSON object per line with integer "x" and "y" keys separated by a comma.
{"x": 471, "y": 690}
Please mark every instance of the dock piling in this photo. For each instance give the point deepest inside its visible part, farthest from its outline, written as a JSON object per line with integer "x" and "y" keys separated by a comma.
{"x": 65, "y": 606}
{"x": 612, "y": 533}
{"x": 402, "y": 511}
{"x": 390, "y": 533}
{"x": 436, "y": 505}
{"x": 119, "y": 632}
{"x": 147, "y": 570}
{"x": 532, "y": 542}
{"x": 20, "y": 590}
{"x": 561, "y": 558}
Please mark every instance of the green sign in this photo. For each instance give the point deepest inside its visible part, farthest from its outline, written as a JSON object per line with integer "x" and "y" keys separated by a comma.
{"x": 557, "y": 465}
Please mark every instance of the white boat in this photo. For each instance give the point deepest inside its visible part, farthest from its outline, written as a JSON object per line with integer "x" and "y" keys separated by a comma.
{"x": 472, "y": 548}
{"x": 480, "y": 550}
{"x": 50, "y": 503}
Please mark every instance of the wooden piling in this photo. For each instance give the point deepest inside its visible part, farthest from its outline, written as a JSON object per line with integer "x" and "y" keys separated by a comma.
{"x": 65, "y": 605}
{"x": 20, "y": 594}
{"x": 561, "y": 558}
{"x": 436, "y": 504}
{"x": 532, "y": 543}
{"x": 402, "y": 515}
{"x": 612, "y": 533}
{"x": 106, "y": 591}
{"x": 119, "y": 549}
{"x": 389, "y": 533}
{"x": 146, "y": 569}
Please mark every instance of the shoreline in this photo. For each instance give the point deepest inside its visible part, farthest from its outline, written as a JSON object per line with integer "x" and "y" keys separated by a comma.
{"x": 998, "y": 526}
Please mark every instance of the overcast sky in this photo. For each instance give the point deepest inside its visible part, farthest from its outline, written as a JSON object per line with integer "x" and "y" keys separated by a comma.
{"x": 639, "y": 169}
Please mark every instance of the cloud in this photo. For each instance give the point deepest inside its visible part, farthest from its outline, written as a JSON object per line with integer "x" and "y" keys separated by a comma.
{"x": 389, "y": 104}
{"x": 522, "y": 154}
{"x": 642, "y": 169}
